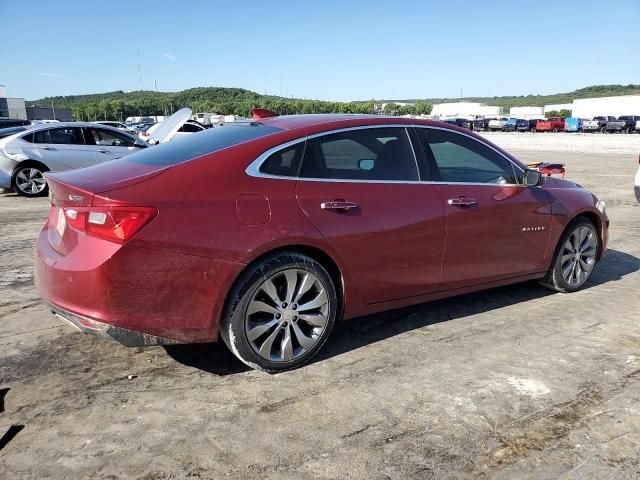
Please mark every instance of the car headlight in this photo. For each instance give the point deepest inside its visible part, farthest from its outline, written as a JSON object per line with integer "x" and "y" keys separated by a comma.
{"x": 602, "y": 206}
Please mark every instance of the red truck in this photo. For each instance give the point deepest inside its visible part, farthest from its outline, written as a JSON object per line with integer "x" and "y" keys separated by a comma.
{"x": 553, "y": 124}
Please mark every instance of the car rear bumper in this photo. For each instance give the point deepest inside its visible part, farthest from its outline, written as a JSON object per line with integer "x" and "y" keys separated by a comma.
{"x": 137, "y": 296}
{"x": 128, "y": 338}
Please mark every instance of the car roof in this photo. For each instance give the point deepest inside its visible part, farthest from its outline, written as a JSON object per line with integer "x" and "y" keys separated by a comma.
{"x": 322, "y": 122}
{"x": 42, "y": 126}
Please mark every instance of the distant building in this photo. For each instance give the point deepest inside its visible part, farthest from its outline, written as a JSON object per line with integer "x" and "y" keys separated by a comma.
{"x": 465, "y": 109}
{"x": 603, "y": 106}
{"x": 11, "y": 107}
{"x": 557, "y": 107}
{"x": 36, "y": 112}
{"x": 526, "y": 112}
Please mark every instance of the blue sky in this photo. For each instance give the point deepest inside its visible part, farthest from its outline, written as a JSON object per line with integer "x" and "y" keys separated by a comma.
{"x": 331, "y": 50}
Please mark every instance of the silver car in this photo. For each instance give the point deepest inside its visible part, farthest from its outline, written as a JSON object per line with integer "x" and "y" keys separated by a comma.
{"x": 55, "y": 147}
{"x": 25, "y": 156}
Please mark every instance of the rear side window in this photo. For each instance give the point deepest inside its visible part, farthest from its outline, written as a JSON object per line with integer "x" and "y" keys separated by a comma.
{"x": 191, "y": 128}
{"x": 65, "y": 136}
{"x": 209, "y": 141}
{"x": 461, "y": 159}
{"x": 285, "y": 162}
{"x": 108, "y": 138}
{"x": 41, "y": 136}
{"x": 364, "y": 154}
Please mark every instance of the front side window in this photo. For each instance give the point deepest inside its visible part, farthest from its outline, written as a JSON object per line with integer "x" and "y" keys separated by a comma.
{"x": 108, "y": 138}
{"x": 364, "y": 154}
{"x": 61, "y": 136}
{"x": 461, "y": 159}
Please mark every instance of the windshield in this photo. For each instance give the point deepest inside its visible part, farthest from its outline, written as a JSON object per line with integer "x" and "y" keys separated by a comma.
{"x": 208, "y": 141}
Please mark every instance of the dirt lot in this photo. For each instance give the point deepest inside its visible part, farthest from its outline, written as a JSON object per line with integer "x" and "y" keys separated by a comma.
{"x": 515, "y": 382}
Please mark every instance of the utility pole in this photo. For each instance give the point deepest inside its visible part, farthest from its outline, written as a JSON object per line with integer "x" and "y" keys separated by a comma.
{"x": 139, "y": 71}
{"x": 53, "y": 109}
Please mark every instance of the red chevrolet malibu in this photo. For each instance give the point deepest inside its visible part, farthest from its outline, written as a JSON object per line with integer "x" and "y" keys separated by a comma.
{"x": 267, "y": 232}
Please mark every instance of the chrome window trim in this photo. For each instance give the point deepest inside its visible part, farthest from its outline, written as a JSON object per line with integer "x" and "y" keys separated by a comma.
{"x": 253, "y": 170}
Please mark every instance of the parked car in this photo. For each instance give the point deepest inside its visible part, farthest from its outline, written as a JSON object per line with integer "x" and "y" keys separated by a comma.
{"x": 624, "y": 124}
{"x": 523, "y": 125}
{"x": 118, "y": 125}
{"x": 26, "y": 156}
{"x": 496, "y": 124}
{"x": 6, "y": 132}
{"x": 573, "y": 124}
{"x": 510, "y": 125}
{"x": 481, "y": 124}
{"x": 598, "y": 124}
{"x": 638, "y": 126}
{"x": 266, "y": 233}
{"x": 186, "y": 129}
{"x": 8, "y": 122}
{"x": 552, "y": 124}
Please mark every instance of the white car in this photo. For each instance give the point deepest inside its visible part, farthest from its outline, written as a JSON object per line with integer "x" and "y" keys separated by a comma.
{"x": 186, "y": 129}
{"x": 497, "y": 124}
{"x": 118, "y": 125}
{"x": 27, "y": 155}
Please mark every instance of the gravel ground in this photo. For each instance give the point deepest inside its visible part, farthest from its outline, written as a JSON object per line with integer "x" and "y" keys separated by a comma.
{"x": 567, "y": 142}
{"x": 516, "y": 382}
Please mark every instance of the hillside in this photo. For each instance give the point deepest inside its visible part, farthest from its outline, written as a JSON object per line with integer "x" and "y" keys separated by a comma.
{"x": 119, "y": 104}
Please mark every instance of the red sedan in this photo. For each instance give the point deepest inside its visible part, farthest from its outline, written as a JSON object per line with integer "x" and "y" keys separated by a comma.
{"x": 267, "y": 232}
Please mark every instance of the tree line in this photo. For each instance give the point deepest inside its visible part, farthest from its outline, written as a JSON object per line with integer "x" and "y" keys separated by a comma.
{"x": 226, "y": 101}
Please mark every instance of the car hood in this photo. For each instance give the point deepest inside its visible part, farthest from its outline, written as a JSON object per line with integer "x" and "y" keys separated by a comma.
{"x": 554, "y": 182}
{"x": 167, "y": 129}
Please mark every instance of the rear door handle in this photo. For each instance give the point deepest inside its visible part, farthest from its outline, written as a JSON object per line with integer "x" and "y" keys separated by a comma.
{"x": 338, "y": 205}
{"x": 49, "y": 148}
{"x": 102, "y": 150}
{"x": 462, "y": 202}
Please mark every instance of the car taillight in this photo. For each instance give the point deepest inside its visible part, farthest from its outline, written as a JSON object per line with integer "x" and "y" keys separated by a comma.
{"x": 116, "y": 224}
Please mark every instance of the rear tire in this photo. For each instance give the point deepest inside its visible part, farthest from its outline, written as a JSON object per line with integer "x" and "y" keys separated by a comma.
{"x": 575, "y": 257}
{"x": 280, "y": 312}
{"x": 29, "y": 181}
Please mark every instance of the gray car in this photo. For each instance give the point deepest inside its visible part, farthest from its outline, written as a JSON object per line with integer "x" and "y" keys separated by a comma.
{"x": 25, "y": 156}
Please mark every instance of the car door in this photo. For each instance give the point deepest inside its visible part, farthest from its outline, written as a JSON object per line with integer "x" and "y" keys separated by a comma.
{"x": 63, "y": 148}
{"x": 360, "y": 188}
{"x": 496, "y": 228}
{"x": 109, "y": 144}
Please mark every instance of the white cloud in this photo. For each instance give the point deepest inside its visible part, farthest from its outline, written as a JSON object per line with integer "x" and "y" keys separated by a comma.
{"x": 173, "y": 58}
{"x": 53, "y": 75}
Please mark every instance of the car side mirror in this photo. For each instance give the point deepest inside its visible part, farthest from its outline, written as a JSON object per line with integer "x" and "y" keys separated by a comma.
{"x": 532, "y": 178}
{"x": 140, "y": 143}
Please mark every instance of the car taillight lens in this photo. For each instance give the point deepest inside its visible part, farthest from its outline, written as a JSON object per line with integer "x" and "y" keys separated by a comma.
{"x": 116, "y": 224}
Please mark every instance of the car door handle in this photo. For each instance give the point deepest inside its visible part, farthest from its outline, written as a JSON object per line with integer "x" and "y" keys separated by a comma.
{"x": 462, "y": 202}
{"x": 102, "y": 150}
{"x": 49, "y": 148}
{"x": 340, "y": 205}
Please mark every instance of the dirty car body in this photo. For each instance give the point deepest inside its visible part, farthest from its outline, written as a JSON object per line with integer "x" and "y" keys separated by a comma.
{"x": 149, "y": 248}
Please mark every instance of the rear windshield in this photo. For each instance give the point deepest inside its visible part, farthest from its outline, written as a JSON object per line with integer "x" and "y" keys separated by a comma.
{"x": 205, "y": 142}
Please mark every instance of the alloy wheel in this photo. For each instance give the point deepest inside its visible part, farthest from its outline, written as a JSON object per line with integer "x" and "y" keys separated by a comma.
{"x": 287, "y": 315}
{"x": 578, "y": 256}
{"x": 30, "y": 181}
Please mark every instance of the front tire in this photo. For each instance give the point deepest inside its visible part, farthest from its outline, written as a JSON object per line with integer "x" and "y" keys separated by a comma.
{"x": 575, "y": 257}
{"x": 29, "y": 180}
{"x": 280, "y": 312}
